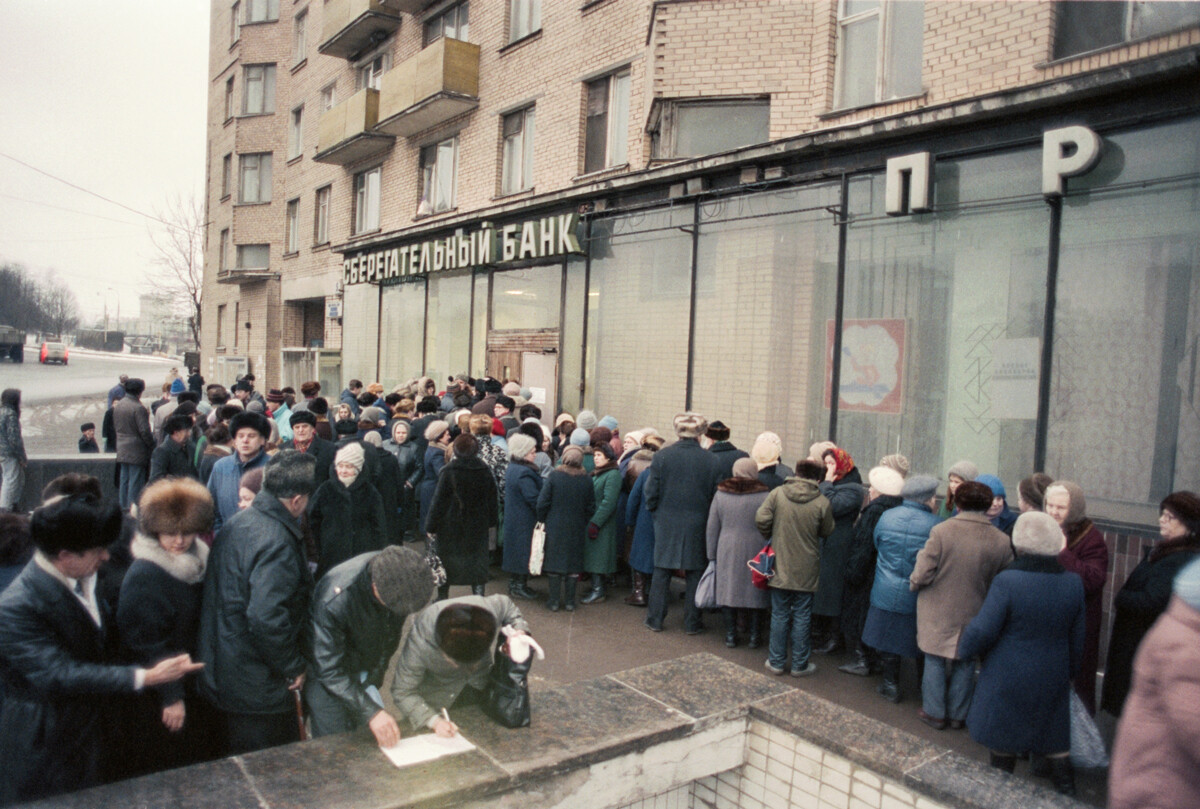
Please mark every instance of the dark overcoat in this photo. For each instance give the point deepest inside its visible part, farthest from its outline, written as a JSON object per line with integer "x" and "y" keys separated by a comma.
{"x": 522, "y": 484}
{"x": 726, "y": 455}
{"x": 463, "y": 508}
{"x": 434, "y": 462}
{"x": 565, "y": 505}
{"x": 846, "y": 497}
{"x": 324, "y": 451}
{"x": 860, "y": 565}
{"x": 346, "y": 521}
{"x": 1029, "y": 633}
{"x": 733, "y": 539}
{"x": 683, "y": 479}
{"x": 1087, "y": 557}
{"x": 641, "y": 552}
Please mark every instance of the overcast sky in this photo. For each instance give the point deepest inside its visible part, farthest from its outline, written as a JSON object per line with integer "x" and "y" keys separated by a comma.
{"x": 109, "y": 95}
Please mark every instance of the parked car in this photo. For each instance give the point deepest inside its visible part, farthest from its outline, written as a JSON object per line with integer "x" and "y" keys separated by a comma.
{"x": 53, "y": 352}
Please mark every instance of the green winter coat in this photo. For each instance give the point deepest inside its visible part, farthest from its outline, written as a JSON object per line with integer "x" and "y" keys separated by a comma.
{"x": 600, "y": 554}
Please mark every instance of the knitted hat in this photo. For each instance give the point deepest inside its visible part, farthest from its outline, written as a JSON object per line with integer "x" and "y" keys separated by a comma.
{"x": 375, "y": 415}
{"x": 177, "y": 387}
{"x": 817, "y": 451}
{"x": 255, "y": 421}
{"x": 745, "y": 468}
{"x": 275, "y": 395}
{"x": 402, "y": 579}
{"x": 374, "y": 439}
{"x": 255, "y": 406}
{"x": 580, "y": 437}
{"x": 964, "y": 469}
{"x": 1033, "y": 489}
{"x": 525, "y": 393}
{"x": 520, "y": 445}
{"x": 346, "y": 427}
{"x": 609, "y": 422}
{"x": 1185, "y": 506}
{"x": 352, "y": 454}
{"x": 992, "y": 482}
{"x": 587, "y": 419}
{"x": 919, "y": 488}
{"x": 690, "y": 425}
{"x": 766, "y": 450}
{"x": 1187, "y": 584}
{"x": 435, "y": 429}
{"x": 895, "y": 461}
{"x": 717, "y": 431}
{"x": 562, "y": 419}
{"x": 1077, "y": 509}
{"x": 1036, "y": 533}
{"x": 886, "y": 480}
{"x": 511, "y": 389}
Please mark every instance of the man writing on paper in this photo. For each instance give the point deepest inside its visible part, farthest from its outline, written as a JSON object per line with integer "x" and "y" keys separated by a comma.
{"x": 358, "y": 612}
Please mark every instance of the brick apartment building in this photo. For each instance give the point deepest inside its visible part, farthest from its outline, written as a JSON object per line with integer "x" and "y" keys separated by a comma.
{"x": 977, "y": 221}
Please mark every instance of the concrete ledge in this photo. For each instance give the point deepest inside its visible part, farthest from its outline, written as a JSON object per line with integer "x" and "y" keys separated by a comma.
{"x": 44, "y": 468}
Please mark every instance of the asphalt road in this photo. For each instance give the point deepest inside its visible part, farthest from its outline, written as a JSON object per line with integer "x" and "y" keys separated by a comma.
{"x": 56, "y": 399}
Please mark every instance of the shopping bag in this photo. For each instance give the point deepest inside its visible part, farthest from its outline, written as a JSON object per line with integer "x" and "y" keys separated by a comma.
{"x": 1087, "y": 747}
{"x": 508, "y": 682}
{"x": 537, "y": 549}
{"x": 706, "y": 590}
{"x": 434, "y": 561}
{"x": 762, "y": 567}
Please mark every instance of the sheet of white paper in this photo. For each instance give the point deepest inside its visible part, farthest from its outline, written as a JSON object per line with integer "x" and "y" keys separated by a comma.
{"x": 426, "y": 747}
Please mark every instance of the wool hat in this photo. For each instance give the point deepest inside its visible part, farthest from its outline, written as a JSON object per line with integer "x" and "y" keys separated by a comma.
{"x": 919, "y": 488}
{"x": 1036, "y": 533}
{"x": 600, "y": 435}
{"x": 255, "y": 421}
{"x": 175, "y": 506}
{"x": 766, "y": 450}
{"x": 519, "y": 402}
{"x": 690, "y": 425}
{"x": 717, "y": 431}
{"x": 992, "y": 482}
{"x": 275, "y": 395}
{"x": 964, "y": 469}
{"x": 1077, "y": 508}
{"x": 520, "y": 445}
{"x": 886, "y": 480}
{"x": 563, "y": 418}
{"x": 511, "y": 389}
{"x": 745, "y": 468}
{"x": 435, "y": 429}
{"x": 572, "y": 455}
{"x": 586, "y": 419}
{"x": 506, "y": 402}
{"x": 817, "y": 451}
{"x": 526, "y": 393}
{"x": 1033, "y": 489}
{"x": 177, "y": 387}
{"x": 1185, "y": 506}
{"x": 402, "y": 578}
{"x": 895, "y": 461}
{"x": 374, "y": 439}
{"x": 375, "y": 415}
{"x": 346, "y": 427}
{"x": 580, "y": 437}
{"x": 304, "y": 417}
{"x": 609, "y": 422}
{"x": 352, "y": 454}
{"x": 1187, "y": 584}
{"x": 255, "y": 406}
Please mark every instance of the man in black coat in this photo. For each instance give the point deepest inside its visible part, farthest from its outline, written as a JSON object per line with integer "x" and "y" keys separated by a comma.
{"x": 306, "y": 440}
{"x": 173, "y": 457}
{"x": 57, "y": 648}
{"x": 254, "y": 618}
{"x": 722, "y": 449}
{"x": 358, "y": 613}
{"x": 683, "y": 479}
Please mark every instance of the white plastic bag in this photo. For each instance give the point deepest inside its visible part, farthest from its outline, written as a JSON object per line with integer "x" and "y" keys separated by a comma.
{"x": 537, "y": 549}
{"x": 1087, "y": 747}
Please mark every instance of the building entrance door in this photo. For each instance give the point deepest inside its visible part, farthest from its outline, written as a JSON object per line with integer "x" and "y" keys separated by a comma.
{"x": 532, "y": 358}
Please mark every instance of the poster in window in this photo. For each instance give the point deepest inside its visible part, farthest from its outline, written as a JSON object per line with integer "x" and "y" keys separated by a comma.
{"x": 872, "y": 372}
{"x": 1014, "y": 388}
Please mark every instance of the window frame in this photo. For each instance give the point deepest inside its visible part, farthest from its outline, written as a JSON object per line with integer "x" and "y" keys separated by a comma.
{"x": 321, "y": 214}
{"x": 223, "y": 250}
{"x": 254, "y": 161}
{"x": 365, "y": 75}
{"x": 459, "y": 11}
{"x": 235, "y": 23}
{"x": 291, "y": 227}
{"x": 269, "y": 9}
{"x": 296, "y": 133}
{"x": 432, "y": 175}
{"x": 1128, "y": 35}
{"x": 524, "y": 151}
{"x": 616, "y": 143}
{"x": 884, "y": 47}
{"x": 268, "y": 89}
{"x": 241, "y": 251}
{"x": 366, "y": 201}
{"x": 300, "y": 36}
{"x": 230, "y": 106}
{"x": 329, "y": 96}
{"x": 664, "y": 128}
{"x": 226, "y": 174}
{"x": 524, "y": 19}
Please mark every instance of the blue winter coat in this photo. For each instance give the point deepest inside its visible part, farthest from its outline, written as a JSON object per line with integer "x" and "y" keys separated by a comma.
{"x": 899, "y": 536}
{"x": 435, "y": 459}
{"x": 641, "y": 553}
{"x": 1030, "y": 633}
{"x": 223, "y": 484}
{"x": 522, "y": 485}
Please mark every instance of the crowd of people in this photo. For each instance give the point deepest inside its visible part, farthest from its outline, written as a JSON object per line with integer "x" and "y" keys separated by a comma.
{"x": 262, "y": 564}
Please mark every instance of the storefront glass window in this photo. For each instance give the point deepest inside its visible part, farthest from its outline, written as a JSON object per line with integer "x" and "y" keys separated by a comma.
{"x": 448, "y": 330}
{"x": 570, "y": 364}
{"x": 766, "y": 279}
{"x": 528, "y": 298}
{"x": 1125, "y": 397}
{"x": 360, "y": 332}
{"x": 479, "y": 326}
{"x": 943, "y": 322}
{"x": 638, "y": 305}
{"x": 403, "y": 335}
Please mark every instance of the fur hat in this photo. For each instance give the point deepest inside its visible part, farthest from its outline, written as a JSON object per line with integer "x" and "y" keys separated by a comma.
{"x": 506, "y": 402}
{"x": 717, "y": 431}
{"x": 964, "y": 469}
{"x": 1036, "y": 533}
{"x": 895, "y": 461}
{"x": 690, "y": 425}
{"x": 919, "y": 488}
{"x": 974, "y": 495}
{"x": 609, "y": 422}
{"x": 352, "y": 454}
{"x": 766, "y": 450}
{"x": 600, "y": 435}
{"x": 605, "y": 449}
{"x": 402, "y": 579}
{"x": 886, "y": 480}
{"x": 175, "y": 506}
{"x": 520, "y": 445}
{"x": 817, "y": 451}
{"x": 745, "y": 468}
{"x": 304, "y": 417}
{"x": 255, "y": 421}
{"x": 346, "y": 427}
{"x": 580, "y": 437}
{"x": 435, "y": 429}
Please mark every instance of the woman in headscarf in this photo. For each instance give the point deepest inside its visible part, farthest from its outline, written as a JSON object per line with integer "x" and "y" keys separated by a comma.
{"x": 733, "y": 538}
{"x": 1147, "y": 591}
{"x": 522, "y": 483}
{"x": 843, "y": 487}
{"x": 1085, "y": 555}
{"x": 957, "y": 475}
{"x": 408, "y": 456}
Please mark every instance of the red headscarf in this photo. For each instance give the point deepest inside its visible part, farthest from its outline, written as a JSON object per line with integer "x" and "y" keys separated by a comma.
{"x": 843, "y": 463}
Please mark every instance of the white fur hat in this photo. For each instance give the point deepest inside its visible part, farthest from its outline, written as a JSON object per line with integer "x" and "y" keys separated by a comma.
{"x": 886, "y": 480}
{"x": 1038, "y": 534}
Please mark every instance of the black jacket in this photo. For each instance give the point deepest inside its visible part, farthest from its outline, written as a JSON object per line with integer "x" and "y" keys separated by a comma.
{"x": 56, "y": 667}
{"x": 254, "y": 614}
{"x": 387, "y": 481}
{"x": 352, "y": 633}
{"x": 683, "y": 479}
{"x": 320, "y": 449}
{"x": 726, "y": 455}
{"x": 463, "y": 508}
{"x": 346, "y": 521}
{"x": 172, "y": 459}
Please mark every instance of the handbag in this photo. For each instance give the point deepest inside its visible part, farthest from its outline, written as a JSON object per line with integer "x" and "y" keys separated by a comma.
{"x": 706, "y": 590}
{"x": 762, "y": 567}
{"x": 434, "y": 561}
{"x": 508, "y": 690}
{"x": 1087, "y": 746}
{"x": 537, "y": 549}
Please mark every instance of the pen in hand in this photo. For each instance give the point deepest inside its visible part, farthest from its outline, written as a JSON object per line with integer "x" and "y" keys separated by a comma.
{"x": 445, "y": 728}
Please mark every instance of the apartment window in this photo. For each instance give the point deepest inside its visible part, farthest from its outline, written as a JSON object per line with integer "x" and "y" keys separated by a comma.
{"x": 223, "y": 251}
{"x": 328, "y": 97}
{"x": 370, "y": 72}
{"x": 229, "y": 98}
{"x": 255, "y": 178}
{"x": 879, "y": 51}
{"x": 300, "y": 36}
{"x": 694, "y": 128}
{"x": 296, "y": 133}
{"x": 226, "y": 174}
{"x": 607, "y": 125}
{"x": 453, "y": 23}
{"x": 366, "y": 201}
{"x": 262, "y": 10}
{"x": 258, "y": 92}
{"x": 235, "y": 24}
{"x": 438, "y": 166}
{"x": 517, "y": 162}
{"x": 321, "y": 216}
{"x": 1084, "y": 25}
{"x": 524, "y": 18}
{"x": 292, "y": 229}
{"x": 253, "y": 256}
{"x": 221, "y": 325}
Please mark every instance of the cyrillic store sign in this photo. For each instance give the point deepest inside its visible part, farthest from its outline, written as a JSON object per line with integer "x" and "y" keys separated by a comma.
{"x": 532, "y": 238}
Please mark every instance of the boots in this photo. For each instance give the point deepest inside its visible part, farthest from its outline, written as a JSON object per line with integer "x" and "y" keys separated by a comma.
{"x": 598, "y": 594}
{"x": 1062, "y": 775}
{"x": 889, "y": 689}
{"x": 570, "y": 587}
{"x": 477, "y": 589}
{"x": 518, "y": 587}
{"x": 727, "y": 613}
{"x": 756, "y": 622}
{"x": 554, "y": 602}
{"x": 831, "y": 638}
{"x": 1003, "y": 761}
{"x": 861, "y": 666}
{"x": 638, "y": 597}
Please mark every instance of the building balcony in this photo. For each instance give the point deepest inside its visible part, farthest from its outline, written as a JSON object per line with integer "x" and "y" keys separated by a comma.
{"x": 345, "y": 132}
{"x": 352, "y": 26}
{"x": 440, "y": 82}
{"x": 234, "y": 275}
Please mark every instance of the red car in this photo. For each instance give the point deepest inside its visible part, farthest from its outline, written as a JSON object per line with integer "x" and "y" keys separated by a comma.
{"x": 53, "y": 352}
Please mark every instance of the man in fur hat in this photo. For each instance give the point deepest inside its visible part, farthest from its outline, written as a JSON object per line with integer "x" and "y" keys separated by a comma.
{"x": 306, "y": 440}
{"x": 250, "y": 433}
{"x": 683, "y": 479}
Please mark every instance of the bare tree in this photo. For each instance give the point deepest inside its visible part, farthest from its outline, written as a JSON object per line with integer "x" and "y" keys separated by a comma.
{"x": 60, "y": 309}
{"x": 179, "y": 257}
